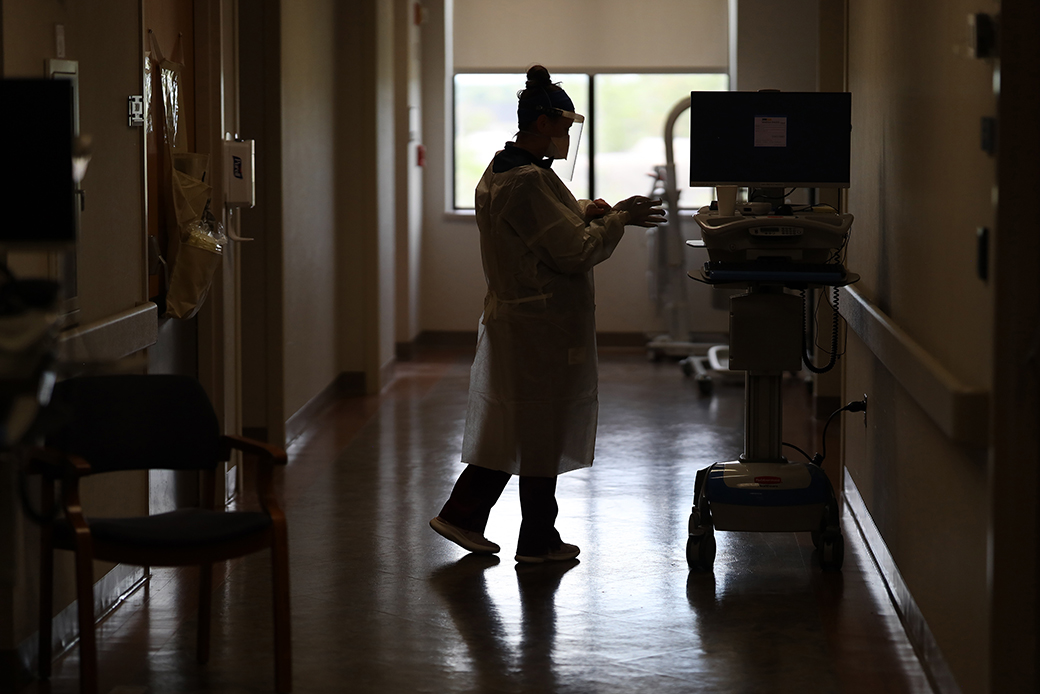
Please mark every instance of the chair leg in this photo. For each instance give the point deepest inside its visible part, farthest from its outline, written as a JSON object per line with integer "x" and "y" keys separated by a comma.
{"x": 46, "y": 599}
{"x": 87, "y": 638}
{"x": 205, "y": 611}
{"x": 282, "y": 620}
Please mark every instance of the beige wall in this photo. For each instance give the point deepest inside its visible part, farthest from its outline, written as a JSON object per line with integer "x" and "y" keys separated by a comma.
{"x": 366, "y": 187}
{"x": 408, "y": 174}
{"x": 777, "y": 45}
{"x": 451, "y": 278}
{"x": 105, "y": 39}
{"x": 332, "y": 219}
{"x": 338, "y": 192}
{"x": 262, "y": 272}
{"x": 380, "y": 356}
{"x": 309, "y": 192}
{"x": 920, "y": 187}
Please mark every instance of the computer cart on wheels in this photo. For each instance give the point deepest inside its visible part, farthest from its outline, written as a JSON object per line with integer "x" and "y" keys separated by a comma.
{"x": 763, "y": 491}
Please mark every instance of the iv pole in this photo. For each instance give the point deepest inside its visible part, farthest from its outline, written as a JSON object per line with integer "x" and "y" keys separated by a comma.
{"x": 670, "y": 280}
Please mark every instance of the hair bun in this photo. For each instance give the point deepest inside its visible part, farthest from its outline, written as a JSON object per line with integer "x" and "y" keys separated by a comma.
{"x": 538, "y": 76}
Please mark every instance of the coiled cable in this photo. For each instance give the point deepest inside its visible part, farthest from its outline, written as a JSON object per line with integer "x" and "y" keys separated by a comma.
{"x": 835, "y": 326}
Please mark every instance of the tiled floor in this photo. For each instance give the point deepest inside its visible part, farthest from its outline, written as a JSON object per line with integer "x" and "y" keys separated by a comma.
{"x": 382, "y": 604}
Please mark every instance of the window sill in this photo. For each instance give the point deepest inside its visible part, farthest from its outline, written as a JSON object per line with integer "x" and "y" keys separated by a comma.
{"x": 459, "y": 215}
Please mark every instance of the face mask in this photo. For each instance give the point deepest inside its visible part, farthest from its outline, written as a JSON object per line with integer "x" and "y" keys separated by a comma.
{"x": 558, "y": 147}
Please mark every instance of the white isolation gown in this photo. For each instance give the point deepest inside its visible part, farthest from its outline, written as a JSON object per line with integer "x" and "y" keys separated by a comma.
{"x": 533, "y": 402}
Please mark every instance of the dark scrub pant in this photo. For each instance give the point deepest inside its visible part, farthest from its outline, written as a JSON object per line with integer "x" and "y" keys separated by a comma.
{"x": 478, "y": 489}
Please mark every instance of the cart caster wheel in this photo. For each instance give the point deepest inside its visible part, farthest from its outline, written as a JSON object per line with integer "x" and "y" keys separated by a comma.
{"x": 695, "y": 521}
{"x": 687, "y": 367}
{"x": 705, "y": 385}
{"x": 832, "y": 553}
{"x": 700, "y": 551}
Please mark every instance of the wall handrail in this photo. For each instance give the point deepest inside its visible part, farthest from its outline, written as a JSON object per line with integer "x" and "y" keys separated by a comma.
{"x": 959, "y": 410}
{"x": 112, "y": 337}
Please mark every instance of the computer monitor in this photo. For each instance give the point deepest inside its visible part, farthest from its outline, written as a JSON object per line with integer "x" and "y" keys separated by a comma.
{"x": 770, "y": 139}
{"x": 38, "y": 196}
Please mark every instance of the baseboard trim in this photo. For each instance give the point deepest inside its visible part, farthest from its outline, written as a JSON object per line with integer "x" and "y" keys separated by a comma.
{"x": 386, "y": 373}
{"x": 109, "y": 593}
{"x": 917, "y": 630}
{"x": 348, "y": 383}
{"x": 404, "y": 351}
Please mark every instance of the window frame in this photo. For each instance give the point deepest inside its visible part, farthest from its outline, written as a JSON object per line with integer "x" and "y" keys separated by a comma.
{"x": 588, "y": 144}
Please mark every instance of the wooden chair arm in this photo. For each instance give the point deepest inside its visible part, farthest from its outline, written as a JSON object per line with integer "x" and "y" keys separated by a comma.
{"x": 267, "y": 456}
{"x": 67, "y": 468}
{"x": 264, "y": 451}
{"x": 55, "y": 464}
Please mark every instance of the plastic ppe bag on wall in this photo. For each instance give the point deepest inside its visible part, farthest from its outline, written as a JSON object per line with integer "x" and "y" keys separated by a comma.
{"x": 200, "y": 255}
{"x": 200, "y": 240}
{"x": 191, "y": 193}
{"x": 190, "y": 238}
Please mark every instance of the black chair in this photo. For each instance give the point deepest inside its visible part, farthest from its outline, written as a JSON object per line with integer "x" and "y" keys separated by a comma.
{"x": 134, "y": 422}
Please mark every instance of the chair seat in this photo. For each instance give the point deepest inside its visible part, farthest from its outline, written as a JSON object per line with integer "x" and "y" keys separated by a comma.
{"x": 186, "y": 527}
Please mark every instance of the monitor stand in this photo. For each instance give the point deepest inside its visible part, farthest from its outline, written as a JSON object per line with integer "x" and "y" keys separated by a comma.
{"x": 774, "y": 196}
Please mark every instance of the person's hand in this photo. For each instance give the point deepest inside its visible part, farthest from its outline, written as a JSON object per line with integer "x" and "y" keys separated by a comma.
{"x": 595, "y": 209}
{"x": 642, "y": 211}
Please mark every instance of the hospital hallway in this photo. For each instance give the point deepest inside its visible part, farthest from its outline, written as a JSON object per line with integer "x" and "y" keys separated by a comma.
{"x": 382, "y": 604}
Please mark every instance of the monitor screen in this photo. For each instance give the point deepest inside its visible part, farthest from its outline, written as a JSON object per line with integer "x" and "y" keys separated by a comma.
{"x": 38, "y": 195}
{"x": 770, "y": 139}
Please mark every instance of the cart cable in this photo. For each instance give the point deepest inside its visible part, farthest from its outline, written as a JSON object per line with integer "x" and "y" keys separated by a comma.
{"x": 791, "y": 445}
{"x": 854, "y": 406}
{"x": 835, "y": 329}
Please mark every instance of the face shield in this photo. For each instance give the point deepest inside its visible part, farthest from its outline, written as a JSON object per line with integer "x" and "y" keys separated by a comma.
{"x": 565, "y": 147}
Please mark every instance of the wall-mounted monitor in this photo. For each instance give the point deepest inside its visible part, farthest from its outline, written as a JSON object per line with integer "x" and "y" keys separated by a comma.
{"x": 770, "y": 139}
{"x": 37, "y": 196}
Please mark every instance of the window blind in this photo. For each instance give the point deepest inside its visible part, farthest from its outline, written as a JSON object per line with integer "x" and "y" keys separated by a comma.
{"x": 591, "y": 35}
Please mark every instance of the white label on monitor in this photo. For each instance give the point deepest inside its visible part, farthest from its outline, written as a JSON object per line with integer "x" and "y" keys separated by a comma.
{"x": 770, "y": 131}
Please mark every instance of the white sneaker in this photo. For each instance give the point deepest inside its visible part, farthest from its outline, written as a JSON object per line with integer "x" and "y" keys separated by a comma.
{"x": 466, "y": 539}
{"x": 561, "y": 553}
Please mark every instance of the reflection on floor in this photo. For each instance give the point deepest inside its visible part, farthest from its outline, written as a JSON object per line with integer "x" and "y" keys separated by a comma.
{"x": 382, "y": 604}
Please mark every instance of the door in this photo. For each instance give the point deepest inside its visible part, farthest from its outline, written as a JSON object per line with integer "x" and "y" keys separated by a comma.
{"x": 197, "y": 39}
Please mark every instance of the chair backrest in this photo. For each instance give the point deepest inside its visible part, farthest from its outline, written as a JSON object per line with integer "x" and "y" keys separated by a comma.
{"x": 136, "y": 422}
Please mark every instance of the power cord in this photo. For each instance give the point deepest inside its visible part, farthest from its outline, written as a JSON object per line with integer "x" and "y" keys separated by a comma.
{"x": 817, "y": 460}
{"x": 854, "y": 406}
{"x": 791, "y": 445}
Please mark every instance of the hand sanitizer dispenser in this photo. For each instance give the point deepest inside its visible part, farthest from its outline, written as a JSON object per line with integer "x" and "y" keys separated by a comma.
{"x": 239, "y": 168}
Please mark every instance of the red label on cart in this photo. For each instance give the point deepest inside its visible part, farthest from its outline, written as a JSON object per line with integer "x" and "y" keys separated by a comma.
{"x": 765, "y": 479}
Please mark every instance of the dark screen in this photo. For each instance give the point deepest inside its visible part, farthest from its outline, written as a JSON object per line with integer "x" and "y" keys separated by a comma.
{"x": 770, "y": 139}
{"x": 37, "y": 197}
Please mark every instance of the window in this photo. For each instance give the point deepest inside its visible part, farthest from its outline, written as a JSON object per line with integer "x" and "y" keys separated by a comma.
{"x": 485, "y": 119}
{"x": 623, "y": 137}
